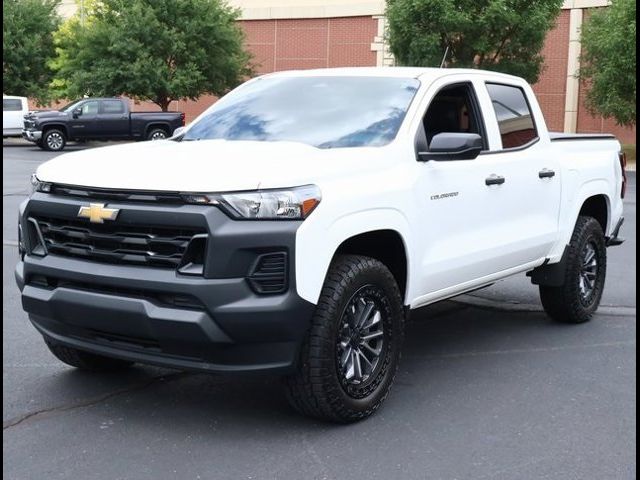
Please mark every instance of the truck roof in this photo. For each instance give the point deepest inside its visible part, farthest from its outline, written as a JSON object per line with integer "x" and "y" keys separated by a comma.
{"x": 398, "y": 72}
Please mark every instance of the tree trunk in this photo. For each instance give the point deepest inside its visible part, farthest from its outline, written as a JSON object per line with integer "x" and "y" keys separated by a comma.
{"x": 163, "y": 103}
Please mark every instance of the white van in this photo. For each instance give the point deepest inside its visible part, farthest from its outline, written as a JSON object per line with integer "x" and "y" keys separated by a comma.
{"x": 13, "y": 111}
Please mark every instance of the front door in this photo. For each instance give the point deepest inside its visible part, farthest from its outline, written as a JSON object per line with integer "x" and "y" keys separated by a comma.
{"x": 83, "y": 124}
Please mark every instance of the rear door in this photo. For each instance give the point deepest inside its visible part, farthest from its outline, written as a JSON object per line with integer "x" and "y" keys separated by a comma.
{"x": 531, "y": 172}
{"x": 85, "y": 124}
{"x": 12, "y": 116}
{"x": 113, "y": 119}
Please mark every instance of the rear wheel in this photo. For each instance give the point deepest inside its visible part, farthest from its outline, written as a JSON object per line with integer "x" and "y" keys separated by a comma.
{"x": 586, "y": 264}
{"x": 157, "y": 134}
{"x": 350, "y": 356}
{"x": 85, "y": 360}
{"x": 53, "y": 140}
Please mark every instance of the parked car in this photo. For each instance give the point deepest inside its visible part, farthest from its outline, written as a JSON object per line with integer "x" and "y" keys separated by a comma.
{"x": 295, "y": 226}
{"x": 13, "y": 110}
{"x": 97, "y": 119}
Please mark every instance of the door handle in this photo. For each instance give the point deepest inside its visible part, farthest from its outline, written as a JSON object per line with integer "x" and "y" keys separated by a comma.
{"x": 494, "y": 180}
{"x": 546, "y": 173}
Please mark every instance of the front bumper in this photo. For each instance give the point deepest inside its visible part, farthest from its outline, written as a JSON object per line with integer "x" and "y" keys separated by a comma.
{"x": 32, "y": 135}
{"x": 215, "y": 322}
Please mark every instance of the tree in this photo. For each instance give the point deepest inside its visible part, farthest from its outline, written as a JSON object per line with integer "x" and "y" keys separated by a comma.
{"x": 502, "y": 35}
{"x": 27, "y": 46}
{"x": 157, "y": 50}
{"x": 609, "y": 62}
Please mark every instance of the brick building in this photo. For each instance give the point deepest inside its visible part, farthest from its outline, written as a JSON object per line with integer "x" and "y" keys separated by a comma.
{"x": 300, "y": 34}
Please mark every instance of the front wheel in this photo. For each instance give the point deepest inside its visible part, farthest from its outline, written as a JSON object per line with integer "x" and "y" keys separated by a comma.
{"x": 350, "y": 356}
{"x": 586, "y": 265}
{"x": 53, "y": 140}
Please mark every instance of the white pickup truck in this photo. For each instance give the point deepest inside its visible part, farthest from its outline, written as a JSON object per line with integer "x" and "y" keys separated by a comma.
{"x": 294, "y": 226}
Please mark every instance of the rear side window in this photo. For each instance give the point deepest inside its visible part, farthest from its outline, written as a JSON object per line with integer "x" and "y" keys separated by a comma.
{"x": 514, "y": 116}
{"x": 11, "y": 104}
{"x": 112, "y": 106}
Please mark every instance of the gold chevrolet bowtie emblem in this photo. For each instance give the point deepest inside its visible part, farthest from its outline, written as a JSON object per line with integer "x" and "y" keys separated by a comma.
{"x": 96, "y": 213}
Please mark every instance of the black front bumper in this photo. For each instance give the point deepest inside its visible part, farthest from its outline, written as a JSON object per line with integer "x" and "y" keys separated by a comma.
{"x": 140, "y": 313}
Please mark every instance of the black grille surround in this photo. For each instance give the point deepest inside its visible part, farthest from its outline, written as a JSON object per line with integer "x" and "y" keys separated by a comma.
{"x": 115, "y": 243}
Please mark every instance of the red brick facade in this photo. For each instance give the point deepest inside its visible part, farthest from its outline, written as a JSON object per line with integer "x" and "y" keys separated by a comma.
{"x": 346, "y": 42}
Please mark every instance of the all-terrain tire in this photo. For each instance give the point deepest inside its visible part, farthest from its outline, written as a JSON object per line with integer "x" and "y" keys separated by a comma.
{"x": 320, "y": 388}
{"x": 569, "y": 303}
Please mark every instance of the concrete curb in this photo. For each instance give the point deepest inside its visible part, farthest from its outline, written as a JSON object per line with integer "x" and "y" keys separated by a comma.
{"x": 504, "y": 306}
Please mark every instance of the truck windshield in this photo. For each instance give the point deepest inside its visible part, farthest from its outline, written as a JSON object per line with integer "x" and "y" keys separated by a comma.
{"x": 325, "y": 112}
{"x": 70, "y": 106}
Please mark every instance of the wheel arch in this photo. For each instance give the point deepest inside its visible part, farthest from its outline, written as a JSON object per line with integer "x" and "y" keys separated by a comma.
{"x": 592, "y": 198}
{"x": 362, "y": 233}
{"x": 57, "y": 126}
{"x": 598, "y": 207}
{"x": 387, "y": 246}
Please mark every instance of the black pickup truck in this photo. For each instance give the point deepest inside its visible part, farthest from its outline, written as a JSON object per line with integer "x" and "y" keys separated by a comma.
{"x": 97, "y": 119}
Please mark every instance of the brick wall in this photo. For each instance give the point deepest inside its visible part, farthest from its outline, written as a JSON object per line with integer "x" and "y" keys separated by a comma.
{"x": 346, "y": 42}
{"x": 551, "y": 88}
{"x": 298, "y": 44}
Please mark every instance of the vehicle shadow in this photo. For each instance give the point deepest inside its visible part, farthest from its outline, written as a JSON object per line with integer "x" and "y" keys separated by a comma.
{"x": 437, "y": 338}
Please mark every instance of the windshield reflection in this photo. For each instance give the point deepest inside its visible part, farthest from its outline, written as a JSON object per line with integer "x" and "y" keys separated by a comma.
{"x": 325, "y": 112}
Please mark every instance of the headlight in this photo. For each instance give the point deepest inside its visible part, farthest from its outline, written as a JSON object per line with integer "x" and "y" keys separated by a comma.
{"x": 282, "y": 204}
{"x": 38, "y": 186}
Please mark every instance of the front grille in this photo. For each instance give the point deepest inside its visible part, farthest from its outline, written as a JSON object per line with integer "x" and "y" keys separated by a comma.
{"x": 129, "y": 196}
{"x": 152, "y": 246}
{"x": 270, "y": 273}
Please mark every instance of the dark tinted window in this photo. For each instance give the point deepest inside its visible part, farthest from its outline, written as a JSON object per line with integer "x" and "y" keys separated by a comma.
{"x": 326, "y": 112}
{"x": 11, "y": 104}
{"x": 514, "y": 115}
{"x": 112, "y": 106}
{"x": 452, "y": 110}
{"x": 90, "y": 108}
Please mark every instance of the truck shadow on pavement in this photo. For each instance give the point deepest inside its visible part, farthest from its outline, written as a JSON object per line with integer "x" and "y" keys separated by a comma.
{"x": 446, "y": 345}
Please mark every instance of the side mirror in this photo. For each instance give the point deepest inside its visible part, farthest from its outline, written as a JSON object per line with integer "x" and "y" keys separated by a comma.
{"x": 178, "y": 131}
{"x": 453, "y": 146}
{"x": 76, "y": 112}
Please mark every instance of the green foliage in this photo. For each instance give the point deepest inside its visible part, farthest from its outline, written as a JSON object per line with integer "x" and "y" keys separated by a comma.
{"x": 157, "y": 50}
{"x": 609, "y": 61}
{"x": 501, "y": 35}
{"x": 27, "y": 46}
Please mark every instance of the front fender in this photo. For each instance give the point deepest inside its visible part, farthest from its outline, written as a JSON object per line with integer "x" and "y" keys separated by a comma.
{"x": 316, "y": 244}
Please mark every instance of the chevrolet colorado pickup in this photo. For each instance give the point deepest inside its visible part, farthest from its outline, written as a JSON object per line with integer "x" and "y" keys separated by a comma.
{"x": 294, "y": 226}
{"x": 97, "y": 119}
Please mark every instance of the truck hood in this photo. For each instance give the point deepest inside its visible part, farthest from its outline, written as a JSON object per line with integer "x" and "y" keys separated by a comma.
{"x": 42, "y": 114}
{"x": 202, "y": 166}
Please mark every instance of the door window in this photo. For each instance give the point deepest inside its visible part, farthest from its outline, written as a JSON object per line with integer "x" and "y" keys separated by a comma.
{"x": 453, "y": 110}
{"x": 514, "y": 116}
{"x": 90, "y": 108}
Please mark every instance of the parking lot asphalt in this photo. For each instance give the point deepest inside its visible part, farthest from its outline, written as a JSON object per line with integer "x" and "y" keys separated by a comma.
{"x": 488, "y": 388}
